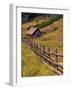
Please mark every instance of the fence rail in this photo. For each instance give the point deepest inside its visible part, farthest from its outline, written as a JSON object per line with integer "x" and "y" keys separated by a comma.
{"x": 46, "y": 55}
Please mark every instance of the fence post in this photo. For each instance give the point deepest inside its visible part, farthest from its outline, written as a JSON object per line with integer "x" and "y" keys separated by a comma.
{"x": 37, "y": 46}
{"x": 36, "y": 50}
{"x": 34, "y": 47}
{"x": 56, "y": 57}
{"x": 49, "y": 54}
{"x": 43, "y": 51}
{"x": 30, "y": 44}
{"x": 40, "y": 49}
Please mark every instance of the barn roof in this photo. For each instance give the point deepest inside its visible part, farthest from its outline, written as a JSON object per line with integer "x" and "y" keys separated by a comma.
{"x": 31, "y": 31}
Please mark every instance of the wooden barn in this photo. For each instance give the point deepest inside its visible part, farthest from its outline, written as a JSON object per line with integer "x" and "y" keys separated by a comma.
{"x": 33, "y": 33}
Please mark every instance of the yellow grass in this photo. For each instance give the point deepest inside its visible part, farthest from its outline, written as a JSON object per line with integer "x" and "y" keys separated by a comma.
{"x": 32, "y": 64}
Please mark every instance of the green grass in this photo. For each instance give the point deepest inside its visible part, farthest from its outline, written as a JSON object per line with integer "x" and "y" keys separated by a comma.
{"x": 32, "y": 64}
{"x": 50, "y": 21}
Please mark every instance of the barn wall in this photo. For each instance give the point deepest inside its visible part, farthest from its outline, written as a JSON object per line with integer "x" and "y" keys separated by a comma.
{"x": 37, "y": 34}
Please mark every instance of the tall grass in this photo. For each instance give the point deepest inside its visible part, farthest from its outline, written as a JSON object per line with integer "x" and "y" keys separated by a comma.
{"x": 32, "y": 64}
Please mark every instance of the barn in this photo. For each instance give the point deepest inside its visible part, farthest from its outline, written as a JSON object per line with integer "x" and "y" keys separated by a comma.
{"x": 33, "y": 33}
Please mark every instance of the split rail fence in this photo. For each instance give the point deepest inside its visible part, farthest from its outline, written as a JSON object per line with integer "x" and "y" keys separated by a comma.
{"x": 46, "y": 55}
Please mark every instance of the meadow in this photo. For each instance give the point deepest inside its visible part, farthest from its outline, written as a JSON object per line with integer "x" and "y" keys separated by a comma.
{"x": 32, "y": 64}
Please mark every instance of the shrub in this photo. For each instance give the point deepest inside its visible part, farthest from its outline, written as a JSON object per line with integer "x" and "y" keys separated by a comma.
{"x": 50, "y": 21}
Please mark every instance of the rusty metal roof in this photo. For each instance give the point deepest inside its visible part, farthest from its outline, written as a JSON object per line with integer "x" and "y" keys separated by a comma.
{"x": 31, "y": 31}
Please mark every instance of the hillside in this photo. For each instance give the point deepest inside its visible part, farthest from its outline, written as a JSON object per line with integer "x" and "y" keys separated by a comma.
{"x": 32, "y": 64}
{"x": 53, "y": 35}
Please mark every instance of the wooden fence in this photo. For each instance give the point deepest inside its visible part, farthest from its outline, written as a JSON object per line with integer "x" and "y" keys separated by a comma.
{"x": 46, "y": 55}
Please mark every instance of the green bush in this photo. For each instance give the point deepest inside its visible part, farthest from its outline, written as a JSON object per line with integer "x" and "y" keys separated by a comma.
{"x": 50, "y": 21}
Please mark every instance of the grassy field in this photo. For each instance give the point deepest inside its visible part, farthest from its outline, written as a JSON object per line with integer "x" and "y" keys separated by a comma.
{"x": 53, "y": 36}
{"x": 32, "y": 64}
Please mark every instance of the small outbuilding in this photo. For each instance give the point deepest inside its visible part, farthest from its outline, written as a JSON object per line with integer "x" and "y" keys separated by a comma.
{"x": 33, "y": 33}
